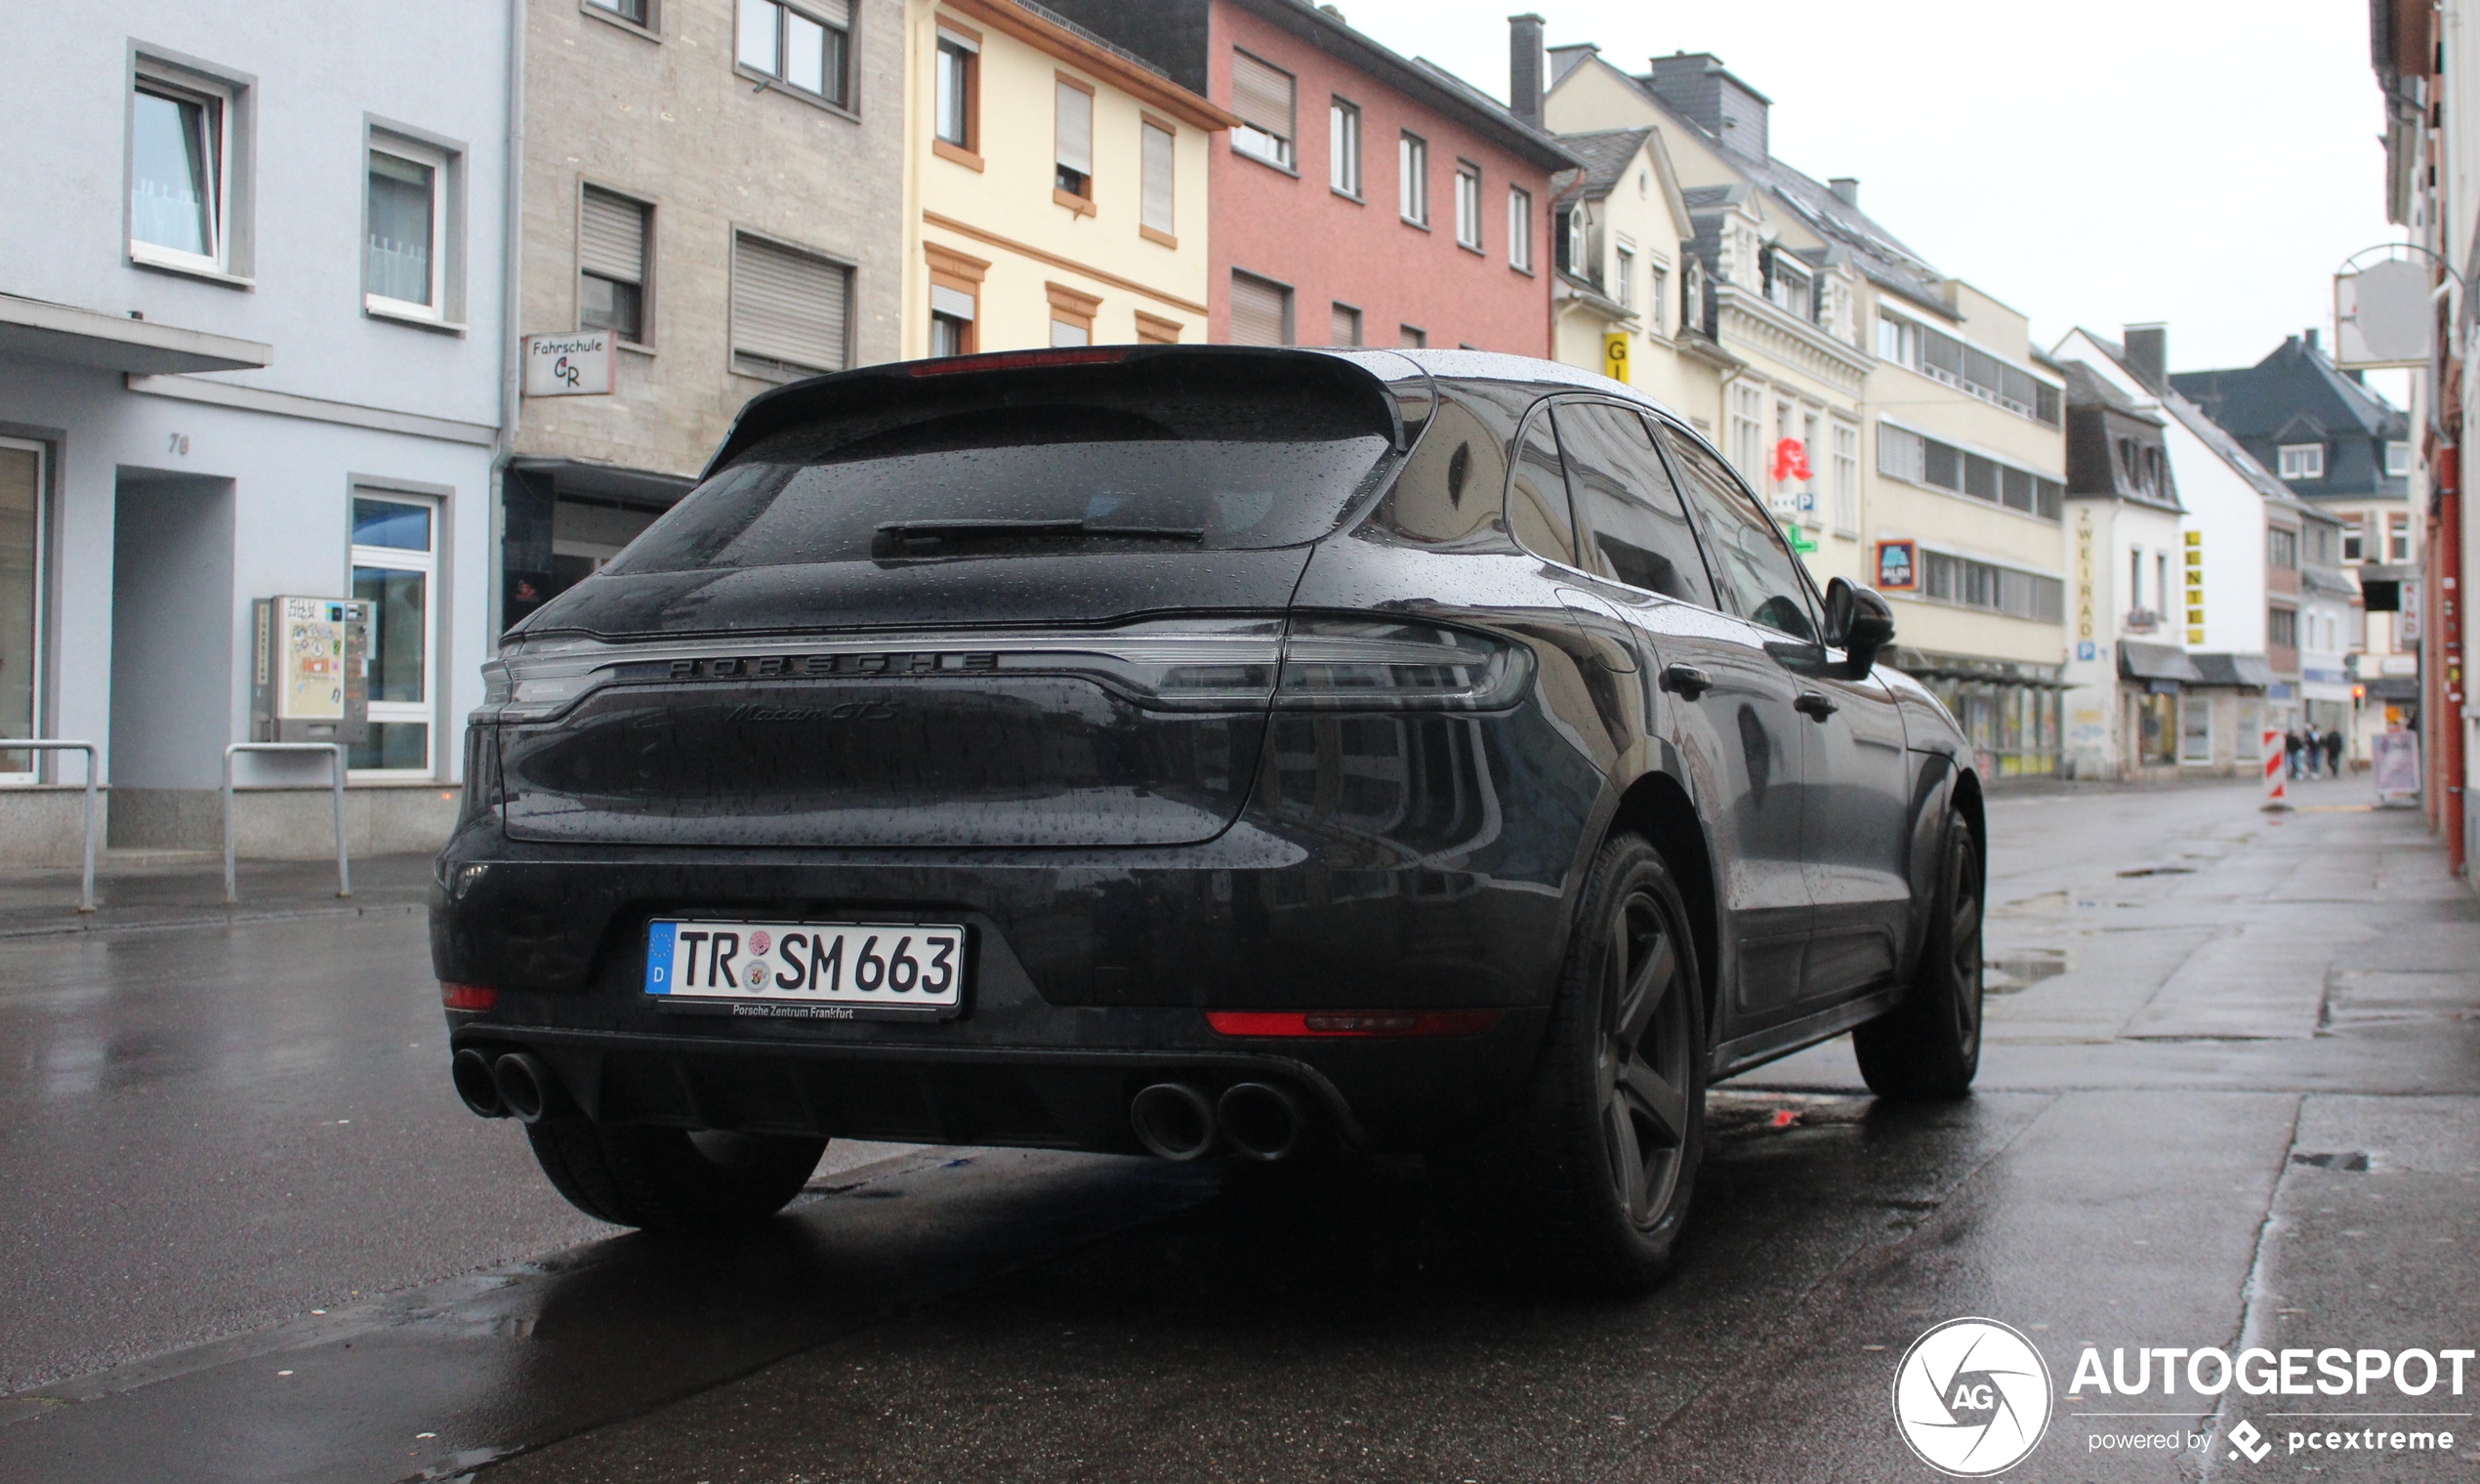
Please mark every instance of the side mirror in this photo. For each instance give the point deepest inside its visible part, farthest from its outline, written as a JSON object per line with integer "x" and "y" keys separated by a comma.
{"x": 1859, "y": 622}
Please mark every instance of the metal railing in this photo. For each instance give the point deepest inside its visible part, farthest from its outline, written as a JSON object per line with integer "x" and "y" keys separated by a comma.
{"x": 335, "y": 752}
{"x": 85, "y": 888}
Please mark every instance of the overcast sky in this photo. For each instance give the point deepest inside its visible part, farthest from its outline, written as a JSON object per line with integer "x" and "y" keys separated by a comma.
{"x": 2203, "y": 162}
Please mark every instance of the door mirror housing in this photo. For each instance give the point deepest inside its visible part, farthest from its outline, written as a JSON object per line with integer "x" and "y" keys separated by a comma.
{"x": 1859, "y": 622}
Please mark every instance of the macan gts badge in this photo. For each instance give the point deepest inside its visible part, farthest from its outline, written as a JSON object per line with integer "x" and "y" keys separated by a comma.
{"x": 1202, "y": 750}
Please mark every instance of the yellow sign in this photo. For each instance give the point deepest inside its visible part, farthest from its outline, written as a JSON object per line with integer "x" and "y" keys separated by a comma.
{"x": 1614, "y": 356}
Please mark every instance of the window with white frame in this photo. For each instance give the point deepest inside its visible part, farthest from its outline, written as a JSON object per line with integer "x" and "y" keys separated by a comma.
{"x": 1788, "y": 285}
{"x": 1623, "y": 273}
{"x": 1576, "y": 243}
{"x": 2301, "y": 461}
{"x": 22, "y": 476}
{"x": 1898, "y": 341}
{"x": 2195, "y": 728}
{"x": 1468, "y": 204}
{"x": 2353, "y": 548}
{"x": 1412, "y": 179}
{"x": 807, "y": 48}
{"x": 2397, "y": 459}
{"x": 1158, "y": 161}
{"x": 613, "y": 233}
{"x": 1846, "y": 479}
{"x": 395, "y": 567}
{"x": 955, "y": 105}
{"x": 2397, "y": 537}
{"x": 1519, "y": 228}
{"x": 181, "y": 166}
{"x": 405, "y": 229}
{"x": 635, "y": 12}
{"x": 1266, "y": 99}
{"x": 1342, "y": 147}
{"x": 1657, "y": 292}
{"x": 1748, "y": 432}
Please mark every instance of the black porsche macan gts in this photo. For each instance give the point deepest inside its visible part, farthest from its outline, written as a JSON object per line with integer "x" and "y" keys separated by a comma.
{"x": 1194, "y": 750}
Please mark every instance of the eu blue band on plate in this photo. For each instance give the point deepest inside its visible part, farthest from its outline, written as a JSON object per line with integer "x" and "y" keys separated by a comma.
{"x": 660, "y": 939}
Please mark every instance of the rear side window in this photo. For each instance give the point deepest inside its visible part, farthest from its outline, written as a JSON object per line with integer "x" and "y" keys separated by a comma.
{"x": 1537, "y": 508}
{"x": 1757, "y": 574}
{"x": 1629, "y": 518}
{"x": 1158, "y": 457}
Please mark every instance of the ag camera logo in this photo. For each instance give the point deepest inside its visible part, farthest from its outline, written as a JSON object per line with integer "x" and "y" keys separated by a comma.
{"x": 1972, "y": 1397}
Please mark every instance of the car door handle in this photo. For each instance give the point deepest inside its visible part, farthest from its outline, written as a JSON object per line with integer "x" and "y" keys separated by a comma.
{"x": 1815, "y": 704}
{"x": 1686, "y": 681}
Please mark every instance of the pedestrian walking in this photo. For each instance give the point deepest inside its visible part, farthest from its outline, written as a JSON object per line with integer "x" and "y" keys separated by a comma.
{"x": 2334, "y": 752}
{"x": 2291, "y": 743}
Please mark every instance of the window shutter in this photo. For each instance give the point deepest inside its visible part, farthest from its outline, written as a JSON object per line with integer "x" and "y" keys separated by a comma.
{"x": 1344, "y": 326}
{"x": 1257, "y": 311}
{"x": 1076, "y": 129}
{"x": 954, "y": 303}
{"x": 835, "y": 13}
{"x": 1158, "y": 202}
{"x": 611, "y": 237}
{"x": 789, "y": 310}
{"x": 1261, "y": 95}
{"x": 1898, "y": 453}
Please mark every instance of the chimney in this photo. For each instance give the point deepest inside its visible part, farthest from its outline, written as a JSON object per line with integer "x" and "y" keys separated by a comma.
{"x": 2148, "y": 355}
{"x": 1846, "y": 190}
{"x": 2309, "y": 339}
{"x": 1702, "y": 90}
{"x": 1524, "y": 79}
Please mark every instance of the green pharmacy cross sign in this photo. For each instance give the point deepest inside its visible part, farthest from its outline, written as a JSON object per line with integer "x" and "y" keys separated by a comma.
{"x": 1799, "y": 542}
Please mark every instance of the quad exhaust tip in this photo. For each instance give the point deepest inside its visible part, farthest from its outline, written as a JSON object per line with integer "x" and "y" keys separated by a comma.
{"x": 471, "y": 1070}
{"x": 525, "y": 1086}
{"x": 1172, "y": 1120}
{"x": 1260, "y": 1121}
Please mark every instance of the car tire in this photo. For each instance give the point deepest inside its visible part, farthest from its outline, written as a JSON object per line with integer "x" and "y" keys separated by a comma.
{"x": 669, "y": 1180}
{"x": 1600, "y": 1164}
{"x": 1927, "y": 1048}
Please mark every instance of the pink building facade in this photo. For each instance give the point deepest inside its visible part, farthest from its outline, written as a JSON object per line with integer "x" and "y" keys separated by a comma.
{"x": 1314, "y": 238}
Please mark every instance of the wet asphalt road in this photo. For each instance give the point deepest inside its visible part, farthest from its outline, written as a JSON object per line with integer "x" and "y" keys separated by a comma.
{"x": 2235, "y": 1100}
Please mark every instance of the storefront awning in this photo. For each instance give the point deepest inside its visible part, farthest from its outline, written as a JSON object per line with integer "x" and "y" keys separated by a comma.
{"x": 2251, "y": 671}
{"x": 2156, "y": 662}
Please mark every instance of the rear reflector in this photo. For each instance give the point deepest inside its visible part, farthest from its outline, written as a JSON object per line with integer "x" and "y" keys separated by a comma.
{"x": 1369, "y": 1022}
{"x": 1018, "y": 361}
{"x": 468, "y": 995}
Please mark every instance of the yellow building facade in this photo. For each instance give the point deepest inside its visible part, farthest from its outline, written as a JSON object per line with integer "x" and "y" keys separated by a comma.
{"x": 1055, "y": 187}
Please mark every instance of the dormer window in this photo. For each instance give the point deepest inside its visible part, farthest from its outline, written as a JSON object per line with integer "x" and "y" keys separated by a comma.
{"x": 2302, "y": 461}
{"x": 1788, "y": 285}
{"x": 1575, "y": 246}
{"x": 2397, "y": 459}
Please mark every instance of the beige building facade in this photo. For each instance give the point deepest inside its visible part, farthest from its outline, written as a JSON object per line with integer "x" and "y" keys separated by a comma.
{"x": 1054, "y": 186}
{"x": 714, "y": 187}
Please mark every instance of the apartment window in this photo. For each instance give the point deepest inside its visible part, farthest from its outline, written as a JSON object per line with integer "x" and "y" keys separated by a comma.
{"x": 2282, "y": 628}
{"x": 1344, "y": 326}
{"x": 1748, "y": 432}
{"x": 1157, "y": 209}
{"x": 958, "y": 100}
{"x": 2397, "y": 459}
{"x": 1264, "y": 97}
{"x": 1342, "y": 147}
{"x": 404, "y": 260}
{"x": 1072, "y": 312}
{"x": 2397, "y": 537}
{"x": 1468, "y": 204}
{"x": 1519, "y": 228}
{"x": 2301, "y": 461}
{"x": 1655, "y": 299}
{"x": 1992, "y": 588}
{"x": 612, "y": 234}
{"x": 395, "y": 545}
{"x": 181, "y": 168}
{"x": 1898, "y": 341}
{"x": 1260, "y": 310}
{"x": 1575, "y": 243}
{"x": 953, "y": 313}
{"x": 805, "y": 49}
{"x": 634, "y": 12}
{"x": 1789, "y": 287}
{"x": 1624, "y": 276}
{"x": 1907, "y": 455}
{"x": 1846, "y": 492}
{"x": 1412, "y": 338}
{"x": 2351, "y": 540}
{"x": 21, "y": 540}
{"x": 1155, "y": 330}
{"x": 1412, "y": 179}
{"x": 2282, "y": 548}
{"x": 1075, "y": 136}
{"x": 790, "y": 310}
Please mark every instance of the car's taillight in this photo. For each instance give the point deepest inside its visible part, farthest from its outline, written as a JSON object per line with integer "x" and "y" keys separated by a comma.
{"x": 1357, "y": 1022}
{"x": 1348, "y": 664}
{"x": 468, "y": 995}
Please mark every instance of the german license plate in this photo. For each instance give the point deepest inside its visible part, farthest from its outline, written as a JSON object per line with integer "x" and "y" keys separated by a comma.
{"x": 809, "y": 970}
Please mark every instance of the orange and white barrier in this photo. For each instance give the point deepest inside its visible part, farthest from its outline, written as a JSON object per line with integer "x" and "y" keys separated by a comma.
{"x": 2276, "y": 764}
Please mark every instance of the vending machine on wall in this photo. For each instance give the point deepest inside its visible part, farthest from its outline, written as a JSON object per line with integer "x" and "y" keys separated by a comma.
{"x": 310, "y": 680}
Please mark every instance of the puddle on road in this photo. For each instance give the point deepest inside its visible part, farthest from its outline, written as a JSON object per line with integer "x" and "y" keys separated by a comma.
{"x": 2159, "y": 870}
{"x": 2021, "y": 969}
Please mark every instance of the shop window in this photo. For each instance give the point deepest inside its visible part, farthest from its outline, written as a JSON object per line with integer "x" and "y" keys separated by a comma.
{"x": 2195, "y": 729}
{"x": 395, "y": 545}
{"x": 22, "y": 480}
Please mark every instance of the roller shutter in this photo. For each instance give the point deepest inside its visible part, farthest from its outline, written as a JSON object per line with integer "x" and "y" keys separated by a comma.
{"x": 1261, "y": 312}
{"x": 611, "y": 237}
{"x": 789, "y": 310}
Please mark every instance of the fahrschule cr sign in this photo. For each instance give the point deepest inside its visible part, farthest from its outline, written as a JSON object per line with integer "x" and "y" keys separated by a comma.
{"x": 579, "y": 363}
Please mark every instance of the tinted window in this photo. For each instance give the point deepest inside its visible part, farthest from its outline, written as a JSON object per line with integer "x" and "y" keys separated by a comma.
{"x": 1449, "y": 487}
{"x": 1536, "y": 496}
{"x": 1759, "y": 577}
{"x": 1631, "y": 525}
{"x": 1001, "y": 465}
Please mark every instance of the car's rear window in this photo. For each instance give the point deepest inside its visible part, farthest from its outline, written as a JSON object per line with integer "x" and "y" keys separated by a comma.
{"x": 1205, "y": 457}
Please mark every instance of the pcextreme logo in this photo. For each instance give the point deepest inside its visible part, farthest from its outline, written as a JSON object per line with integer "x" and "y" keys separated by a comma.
{"x": 1972, "y": 1397}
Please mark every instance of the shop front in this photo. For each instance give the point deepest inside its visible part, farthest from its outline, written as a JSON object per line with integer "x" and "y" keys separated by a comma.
{"x": 2010, "y": 708}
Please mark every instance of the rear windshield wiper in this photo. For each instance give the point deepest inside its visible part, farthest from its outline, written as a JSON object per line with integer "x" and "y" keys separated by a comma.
{"x": 938, "y": 538}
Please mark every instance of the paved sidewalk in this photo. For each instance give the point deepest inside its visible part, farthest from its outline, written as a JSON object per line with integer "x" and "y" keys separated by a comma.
{"x": 140, "y": 889}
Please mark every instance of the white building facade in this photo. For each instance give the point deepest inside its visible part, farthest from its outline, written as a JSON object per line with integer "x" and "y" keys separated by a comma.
{"x": 251, "y": 343}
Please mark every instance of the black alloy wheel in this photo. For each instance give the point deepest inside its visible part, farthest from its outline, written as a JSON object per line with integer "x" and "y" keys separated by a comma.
{"x": 1927, "y": 1048}
{"x": 1601, "y": 1163}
